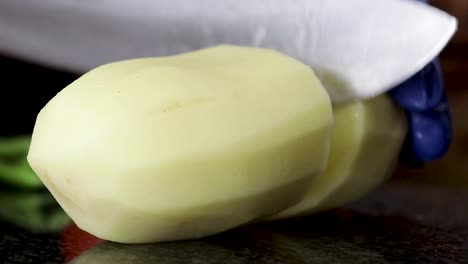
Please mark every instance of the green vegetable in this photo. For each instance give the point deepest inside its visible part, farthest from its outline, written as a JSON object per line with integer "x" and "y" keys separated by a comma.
{"x": 14, "y": 168}
{"x": 24, "y": 199}
{"x": 36, "y": 212}
{"x": 14, "y": 146}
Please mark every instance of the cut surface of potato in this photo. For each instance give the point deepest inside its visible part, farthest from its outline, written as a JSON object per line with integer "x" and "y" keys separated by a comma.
{"x": 366, "y": 141}
{"x": 183, "y": 146}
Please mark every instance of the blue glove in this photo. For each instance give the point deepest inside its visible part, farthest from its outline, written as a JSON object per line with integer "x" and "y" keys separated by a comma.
{"x": 430, "y": 127}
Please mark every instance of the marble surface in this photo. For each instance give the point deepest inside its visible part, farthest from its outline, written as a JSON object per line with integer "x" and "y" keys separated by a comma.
{"x": 400, "y": 223}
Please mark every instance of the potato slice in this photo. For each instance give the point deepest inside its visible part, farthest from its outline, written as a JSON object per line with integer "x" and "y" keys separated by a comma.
{"x": 184, "y": 146}
{"x": 366, "y": 141}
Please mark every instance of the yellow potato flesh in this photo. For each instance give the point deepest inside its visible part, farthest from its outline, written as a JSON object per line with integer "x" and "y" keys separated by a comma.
{"x": 366, "y": 141}
{"x": 185, "y": 146}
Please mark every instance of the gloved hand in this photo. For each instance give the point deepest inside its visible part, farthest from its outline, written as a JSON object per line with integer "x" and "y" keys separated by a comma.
{"x": 429, "y": 121}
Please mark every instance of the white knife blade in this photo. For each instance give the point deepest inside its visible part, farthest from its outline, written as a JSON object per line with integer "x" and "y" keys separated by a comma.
{"x": 358, "y": 48}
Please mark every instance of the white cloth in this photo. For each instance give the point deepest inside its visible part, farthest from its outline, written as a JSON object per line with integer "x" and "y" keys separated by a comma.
{"x": 358, "y": 48}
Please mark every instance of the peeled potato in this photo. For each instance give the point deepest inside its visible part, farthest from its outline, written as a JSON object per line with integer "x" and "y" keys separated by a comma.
{"x": 366, "y": 141}
{"x": 184, "y": 146}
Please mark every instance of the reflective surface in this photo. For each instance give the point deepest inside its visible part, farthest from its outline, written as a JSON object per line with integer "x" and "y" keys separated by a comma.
{"x": 399, "y": 223}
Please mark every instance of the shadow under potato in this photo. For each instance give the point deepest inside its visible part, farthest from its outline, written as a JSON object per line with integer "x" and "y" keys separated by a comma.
{"x": 320, "y": 239}
{"x": 415, "y": 230}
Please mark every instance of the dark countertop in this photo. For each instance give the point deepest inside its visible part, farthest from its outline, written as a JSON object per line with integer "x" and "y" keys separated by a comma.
{"x": 400, "y": 223}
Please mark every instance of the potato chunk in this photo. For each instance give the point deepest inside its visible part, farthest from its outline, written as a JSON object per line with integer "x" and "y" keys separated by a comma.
{"x": 366, "y": 141}
{"x": 183, "y": 146}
